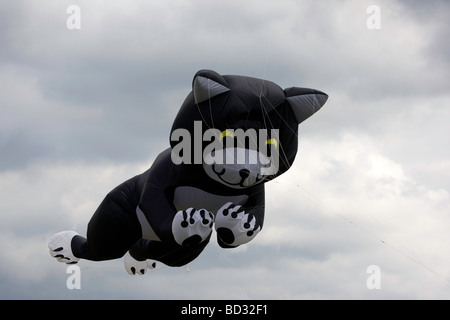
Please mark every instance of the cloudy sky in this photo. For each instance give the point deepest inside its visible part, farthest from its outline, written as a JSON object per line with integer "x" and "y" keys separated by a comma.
{"x": 82, "y": 110}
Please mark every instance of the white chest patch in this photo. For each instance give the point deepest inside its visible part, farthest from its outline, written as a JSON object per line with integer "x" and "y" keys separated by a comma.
{"x": 190, "y": 197}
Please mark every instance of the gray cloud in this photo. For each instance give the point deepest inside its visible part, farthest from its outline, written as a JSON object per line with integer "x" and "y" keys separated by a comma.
{"x": 83, "y": 110}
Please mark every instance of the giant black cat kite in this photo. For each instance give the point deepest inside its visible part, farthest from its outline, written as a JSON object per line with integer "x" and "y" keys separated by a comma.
{"x": 231, "y": 135}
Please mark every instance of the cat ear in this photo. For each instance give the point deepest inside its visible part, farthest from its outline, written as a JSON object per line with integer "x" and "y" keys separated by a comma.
{"x": 208, "y": 84}
{"x": 305, "y": 102}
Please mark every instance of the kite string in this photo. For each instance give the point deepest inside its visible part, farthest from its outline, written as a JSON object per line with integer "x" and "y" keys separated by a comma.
{"x": 406, "y": 252}
{"x": 409, "y": 254}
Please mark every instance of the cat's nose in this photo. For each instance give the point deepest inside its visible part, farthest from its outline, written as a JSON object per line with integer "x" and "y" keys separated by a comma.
{"x": 244, "y": 173}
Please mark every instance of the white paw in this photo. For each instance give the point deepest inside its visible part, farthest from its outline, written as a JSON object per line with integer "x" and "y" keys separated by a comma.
{"x": 234, "y": 226}
{"x": 190, "y": 226}
{"x": 60, "y": 248}
{"x": 134, "y": 266}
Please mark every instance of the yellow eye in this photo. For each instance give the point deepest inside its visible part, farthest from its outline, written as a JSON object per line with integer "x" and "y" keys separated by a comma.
{"x": 226, "y": 133}
{"x": 272, "y": 141}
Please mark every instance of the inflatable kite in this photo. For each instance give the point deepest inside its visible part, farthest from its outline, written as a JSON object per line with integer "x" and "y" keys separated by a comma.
{"x": 231, "y": 135}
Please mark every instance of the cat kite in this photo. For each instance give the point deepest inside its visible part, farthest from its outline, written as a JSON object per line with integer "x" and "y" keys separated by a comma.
{"x": 231, "y": 135}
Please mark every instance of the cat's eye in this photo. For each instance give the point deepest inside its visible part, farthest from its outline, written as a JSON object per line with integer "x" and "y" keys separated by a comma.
{"x": 272, "y": 141}
{"x": 226, "y": 133}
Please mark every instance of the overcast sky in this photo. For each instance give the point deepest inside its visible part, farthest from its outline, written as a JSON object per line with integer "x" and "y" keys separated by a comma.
{"x": 83, "y": 110}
